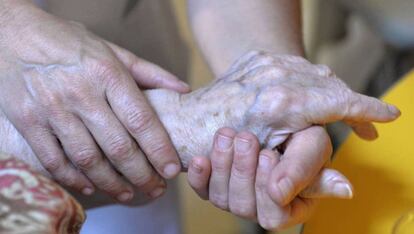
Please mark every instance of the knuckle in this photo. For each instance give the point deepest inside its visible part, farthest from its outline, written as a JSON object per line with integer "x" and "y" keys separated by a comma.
{"x": 27, "y": 117}
{"x": 85, "y": 159}
{"x": 51, "y": 101}
{"x": 77, "y": 94}
{"x": 107, "y": 69}
{"x": 158, "y": 151}
{"x": 110, "y": 187}
{"x": 139, "y": 121}
{"x": 70, "y": 181}
{"x": 142, "y": 180}
{"x": 281, "y": 98}
{"x": 51, "y": 163}
{"x": 120, "y": 148}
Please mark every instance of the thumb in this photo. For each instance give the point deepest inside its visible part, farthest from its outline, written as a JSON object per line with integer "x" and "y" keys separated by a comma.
{"x": 146, "y": 74}
{"x": 329, "y": 183}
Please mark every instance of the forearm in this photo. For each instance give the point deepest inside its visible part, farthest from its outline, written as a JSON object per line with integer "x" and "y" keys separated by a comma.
{"x": 225, "y": 30}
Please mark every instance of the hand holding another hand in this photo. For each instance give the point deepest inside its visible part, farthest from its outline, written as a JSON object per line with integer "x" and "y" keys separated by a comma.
{"x": 238, "y": 176}
{"x": 76, "y": 100}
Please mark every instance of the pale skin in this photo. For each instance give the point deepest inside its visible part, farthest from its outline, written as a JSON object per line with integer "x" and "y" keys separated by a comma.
{"x": 77, "y": 102}
{"x": 190, "y": 119}
{"x": 225, "y": 30}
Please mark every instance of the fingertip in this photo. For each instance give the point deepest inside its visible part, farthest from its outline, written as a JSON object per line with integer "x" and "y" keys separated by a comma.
{"x": 267, "y": 159}
{"x": 171, "y": 170}
{"x": 342, "y": 189}
{"x": 198, "y": 176}
{"x": 200, "y": 165}
{"x": 366, "y": 131}
{"x": 395, "y": 112}
{"x": 183, "y": 87}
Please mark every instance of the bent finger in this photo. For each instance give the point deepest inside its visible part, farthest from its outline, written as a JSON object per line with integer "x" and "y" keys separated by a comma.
{"x": 120, "y": 149}
{"x": 53, "y": 159}
{"x": 199, "y": 175}
{"x": 306, "y": 153}
{"x": 82, "y": 150}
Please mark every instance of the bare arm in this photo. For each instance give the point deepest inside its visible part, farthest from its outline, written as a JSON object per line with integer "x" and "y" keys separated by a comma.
{"x": 225, "y": 30}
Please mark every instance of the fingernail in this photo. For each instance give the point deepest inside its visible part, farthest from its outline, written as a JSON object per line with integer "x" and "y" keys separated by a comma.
{"x": 394, "y": 110}
{"x": 184, "y": 85}
{"x": 285, "y": 188}
{"x": 87, "y": 191}
{"x": 171, "y": 170}
{"x": 343, "y": 190}
{"x": 242, "y": 145}
{"x": 124, "y": 197}
{"x": 223, "y": 142}
{"x": 157, "y": 192}
{"x": 264, "y": 162}
{"x": 197, "y": 168}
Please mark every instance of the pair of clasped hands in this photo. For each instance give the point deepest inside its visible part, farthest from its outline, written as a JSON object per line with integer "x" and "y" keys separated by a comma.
{"x": 77, "y": 101}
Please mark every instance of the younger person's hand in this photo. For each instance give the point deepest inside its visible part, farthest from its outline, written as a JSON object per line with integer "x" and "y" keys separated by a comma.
{"x": 237, "y": 176}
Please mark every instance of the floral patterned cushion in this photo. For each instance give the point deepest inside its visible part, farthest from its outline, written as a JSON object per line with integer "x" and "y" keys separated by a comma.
{"x": 32, "y": 203}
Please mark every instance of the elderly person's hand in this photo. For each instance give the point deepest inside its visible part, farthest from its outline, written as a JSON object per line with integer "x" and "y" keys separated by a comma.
{"x": 237, "y": 179}
{"x": 274, "y": 96}
{"x": 76, "y": 100}
{"x": 270, "y": 96}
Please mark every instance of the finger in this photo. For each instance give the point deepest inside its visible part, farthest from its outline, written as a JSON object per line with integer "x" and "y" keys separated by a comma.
{"x": 242, "y": 199}
{"x": 300, "y": 211}
{"x": 362, "y": 108}
{"x": 329, "y": 183}
{"x": 86, "y": 156}
{"x": 304, "y": 156}
{"x": 269, "y": 215}
{"x": 198, "y": 176}
{"x": 120, "y": 148}
{"x": 221, "y": 160}
{"x": 146, "y": 74}
{"x": 132, "y": 109}
{"x": 366, "y": 131}
{"x": 51, "y": 156}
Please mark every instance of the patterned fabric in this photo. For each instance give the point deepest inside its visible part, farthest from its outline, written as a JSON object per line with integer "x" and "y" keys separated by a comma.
{"x": 31, "y": 203}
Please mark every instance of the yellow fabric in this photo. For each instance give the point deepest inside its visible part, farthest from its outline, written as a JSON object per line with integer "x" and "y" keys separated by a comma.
{"x": 382, "y": 173}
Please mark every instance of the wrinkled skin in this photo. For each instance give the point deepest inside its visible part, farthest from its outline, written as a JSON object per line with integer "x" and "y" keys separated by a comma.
{"x": 268, "y": 95}
{"x": 271, "y": 96}
{"x": 76, "y": 99}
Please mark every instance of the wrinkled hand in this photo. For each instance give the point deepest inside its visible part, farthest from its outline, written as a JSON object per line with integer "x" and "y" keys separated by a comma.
{"x": 237, "y": 179}
{"x": 75, "y": 99}
{"x": 274, "y": 96}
